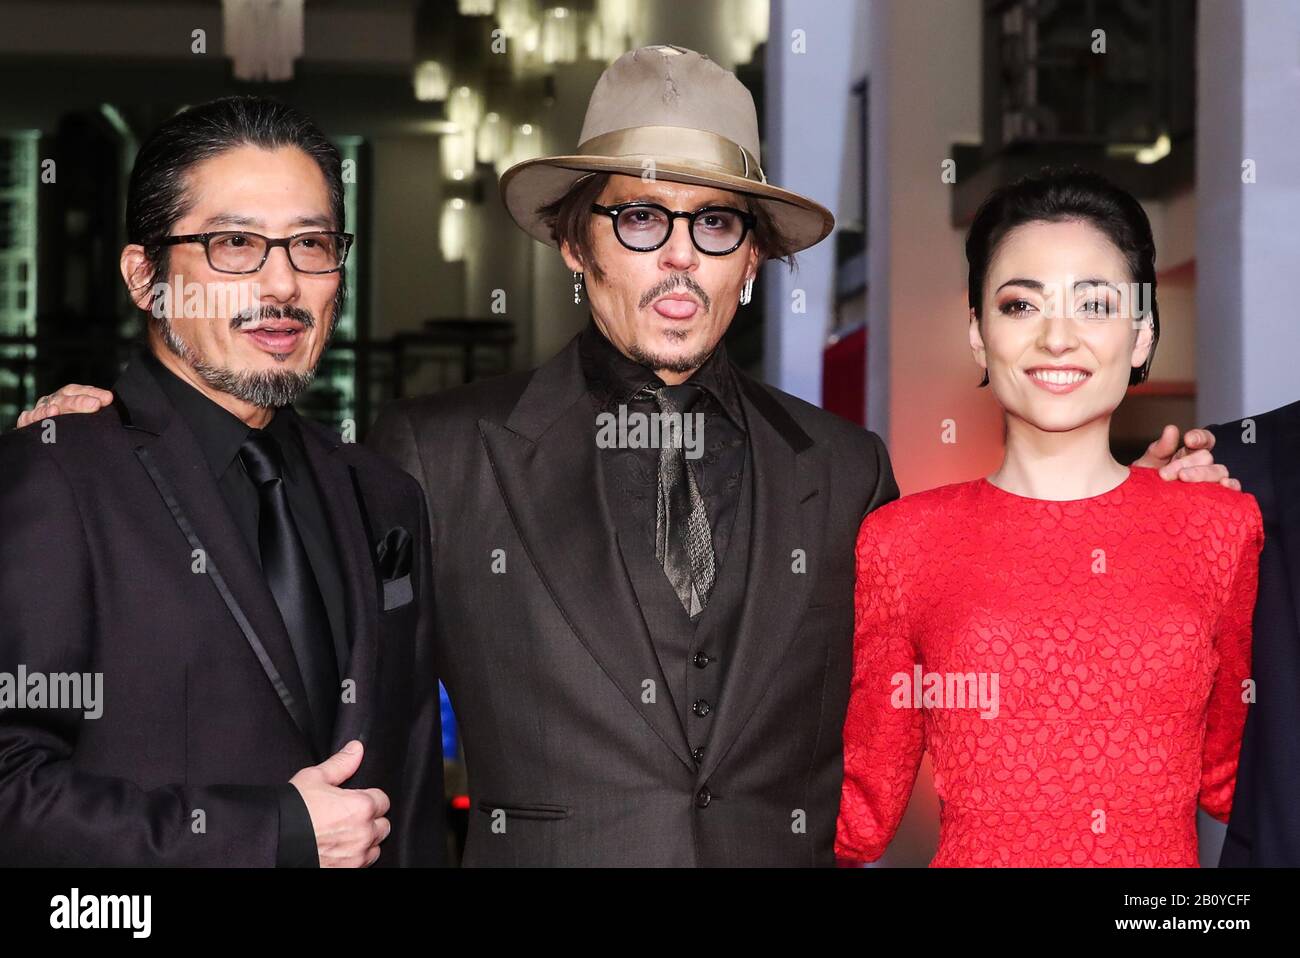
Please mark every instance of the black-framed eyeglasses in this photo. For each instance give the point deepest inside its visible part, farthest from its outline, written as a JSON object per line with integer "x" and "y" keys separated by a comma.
{"x": 239, "y": 251}
{"x": 644, "y": 227}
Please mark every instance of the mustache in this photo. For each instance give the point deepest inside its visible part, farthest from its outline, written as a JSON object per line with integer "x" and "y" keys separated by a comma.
{"x": 670, "y": 285}
{"x": 257, "y": 314}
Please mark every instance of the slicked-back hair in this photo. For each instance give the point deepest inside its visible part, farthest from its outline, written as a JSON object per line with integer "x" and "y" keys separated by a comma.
{"x": 158, "y": 193}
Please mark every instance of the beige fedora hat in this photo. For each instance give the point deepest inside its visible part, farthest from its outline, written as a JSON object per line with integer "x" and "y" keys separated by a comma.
{"x": 677, "y": 114}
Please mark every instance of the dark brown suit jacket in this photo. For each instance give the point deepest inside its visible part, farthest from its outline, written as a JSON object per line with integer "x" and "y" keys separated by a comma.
{"x": 546, "y": 653}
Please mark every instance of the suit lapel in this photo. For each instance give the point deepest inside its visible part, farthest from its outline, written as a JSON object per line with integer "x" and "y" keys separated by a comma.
{"x": 547, "y": 467}
{"x": 345, "y": 510}
{"x": 787, "y": 516}
{"x": 176, "y": 466}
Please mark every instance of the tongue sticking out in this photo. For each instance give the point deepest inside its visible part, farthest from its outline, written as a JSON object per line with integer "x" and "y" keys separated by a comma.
{"x": 676, "y": 308}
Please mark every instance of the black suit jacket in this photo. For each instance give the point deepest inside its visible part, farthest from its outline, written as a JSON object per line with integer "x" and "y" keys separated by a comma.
{"x": 546, "y": 654}
{"x": 120, "y": 557}
{"x": 1264, "y": 829}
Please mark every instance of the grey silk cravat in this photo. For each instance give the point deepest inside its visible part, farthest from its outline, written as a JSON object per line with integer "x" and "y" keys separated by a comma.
{"x": 683, "y": 540}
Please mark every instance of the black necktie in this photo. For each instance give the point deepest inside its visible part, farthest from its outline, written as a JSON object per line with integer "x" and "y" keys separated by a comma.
{"x": 289, "y": 574}
{"x": 683, "y": 540}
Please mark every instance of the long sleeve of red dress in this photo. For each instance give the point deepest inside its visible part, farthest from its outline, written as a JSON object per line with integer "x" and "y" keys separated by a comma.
{"x": 1225, "y": 718}
{"x": 882, "y": 744}
{"x": 1109, "y": 639}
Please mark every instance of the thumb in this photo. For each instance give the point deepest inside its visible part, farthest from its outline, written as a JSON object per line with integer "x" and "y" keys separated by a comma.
{"x": 343, "y": 764}
{"x": 1161, "y": 452}
{"x": 1166, "y": 445}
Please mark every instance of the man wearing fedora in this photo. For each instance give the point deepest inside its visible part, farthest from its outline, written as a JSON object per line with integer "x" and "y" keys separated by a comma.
{"x": 648, "y": 651}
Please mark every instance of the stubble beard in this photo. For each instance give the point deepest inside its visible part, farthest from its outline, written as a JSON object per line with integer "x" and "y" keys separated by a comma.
{"x": 677, "y": 364}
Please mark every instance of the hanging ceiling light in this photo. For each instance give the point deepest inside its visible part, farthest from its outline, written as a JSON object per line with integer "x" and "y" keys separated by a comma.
{"x": 457, "y": 154}
{"x": 465, "y": 107}
{"x": 604, "y": 43}
{"x": 521, "y": 22}
{"x": 452, "y": 229}
{"x": 517, "y": 16}
{"x": 525, "y": 143}
{"x": 751, "y": 20}
{"x": 493, "y": 138}
{"x": 527, "y": 140}
{"x": 616, "y": 15}
{"x": 262, "y": 37}
{"x": 559, "y": 36}
{"x": 610, "y": 28}
{"x": 474, "y": 8}
{"x": 431, "y": 81}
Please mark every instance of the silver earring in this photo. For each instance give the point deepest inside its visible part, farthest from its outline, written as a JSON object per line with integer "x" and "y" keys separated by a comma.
{"x": 747, "y": 292}
{"x": 577, "y": 288}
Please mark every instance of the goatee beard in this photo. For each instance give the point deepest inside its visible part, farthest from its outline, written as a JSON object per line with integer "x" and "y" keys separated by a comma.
{"x": 267, "y": 388}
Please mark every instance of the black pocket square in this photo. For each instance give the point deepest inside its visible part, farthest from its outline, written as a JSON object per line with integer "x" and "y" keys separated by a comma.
{"x": 393, "y": 553}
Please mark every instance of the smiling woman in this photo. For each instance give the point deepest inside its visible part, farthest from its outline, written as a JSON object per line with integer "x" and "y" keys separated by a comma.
{"x": 1071, "y": 196}
{"x": 1109, "y": 607}
{"x": 1063, "y": 319}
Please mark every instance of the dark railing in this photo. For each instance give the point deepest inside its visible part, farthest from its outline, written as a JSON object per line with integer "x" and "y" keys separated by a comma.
{"x": 1089, "y": 82}
{"x": 442, "y": 354}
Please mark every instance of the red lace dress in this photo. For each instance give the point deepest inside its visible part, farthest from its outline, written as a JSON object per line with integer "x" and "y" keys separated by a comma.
{"x": 1117, "y": 630}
